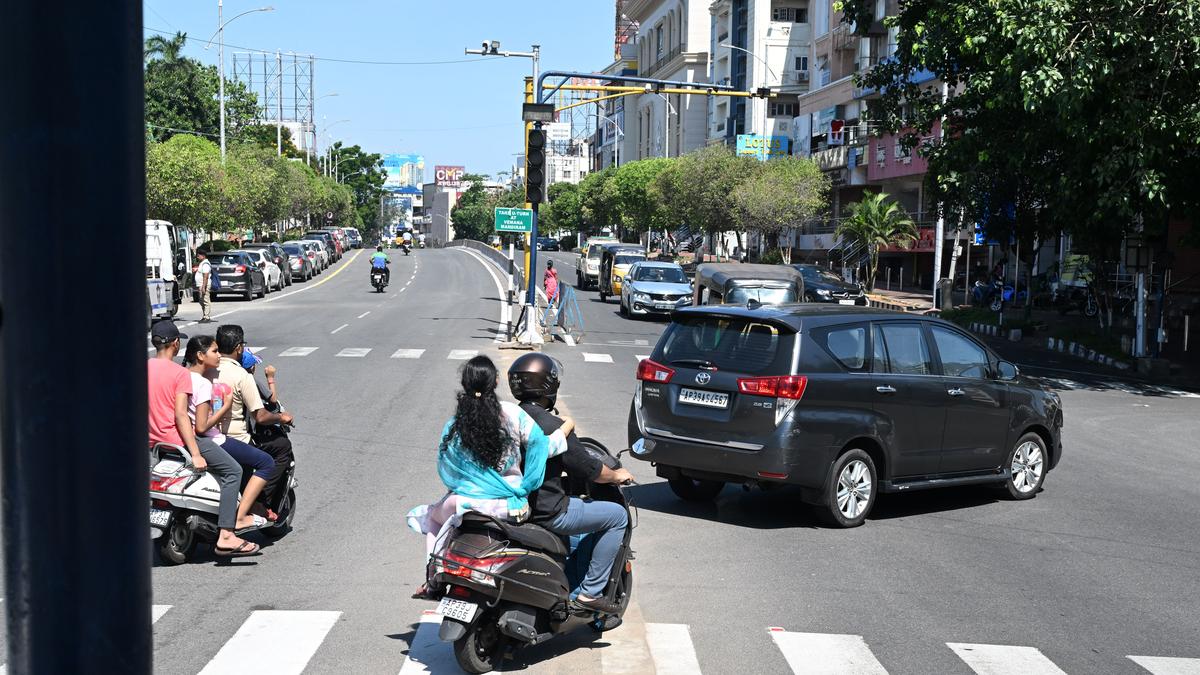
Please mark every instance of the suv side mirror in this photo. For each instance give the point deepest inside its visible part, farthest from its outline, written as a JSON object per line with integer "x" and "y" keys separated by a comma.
{"x": 1007, "y": 371}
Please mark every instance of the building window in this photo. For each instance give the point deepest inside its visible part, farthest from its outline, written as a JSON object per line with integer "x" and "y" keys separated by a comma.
{"x": 782, "y": 109}
{"x": 791, "y": 14}
{"x": 658, "y": 43}
{"x": 802, "y": 64}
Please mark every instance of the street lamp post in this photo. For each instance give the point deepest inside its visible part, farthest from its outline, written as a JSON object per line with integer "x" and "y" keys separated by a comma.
{"x": 221, "y": 57}
{"x": 309, "y": 151}
{"x": 617, "y": 143}
{"x": 768, "y": 70}
{"x": 670, "y": 110}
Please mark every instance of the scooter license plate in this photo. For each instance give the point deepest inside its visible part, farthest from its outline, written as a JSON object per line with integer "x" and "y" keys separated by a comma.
{"x": 458, "y": 610}
{"x": 160, "y": 517}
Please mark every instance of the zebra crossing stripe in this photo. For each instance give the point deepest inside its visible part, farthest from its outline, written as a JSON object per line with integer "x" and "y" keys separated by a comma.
{"x": 355, "y": 352}
{"x": 462, "y": 354}
{"x": 427, "y": 653}
{"x": 590, "y": 357}
{"x": 408, "y": 353}
{"x": 1167, "y": 665}
{"x": 298, "y": 351}
{"x": 826, "y": 653}
{"x": 276, "y": 642}
{"x": 1004, "y": 659}
{"x": 671, "y": 649}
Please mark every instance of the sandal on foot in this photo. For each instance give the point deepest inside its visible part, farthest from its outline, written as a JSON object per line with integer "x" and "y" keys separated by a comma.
{"x": 259, "y": 523}
{"x": 239, "y": 552}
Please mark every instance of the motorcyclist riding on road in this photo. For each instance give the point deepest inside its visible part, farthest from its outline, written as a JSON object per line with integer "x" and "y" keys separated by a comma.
{"x": 380, "y": 261}
{"x": 534, "y": 381}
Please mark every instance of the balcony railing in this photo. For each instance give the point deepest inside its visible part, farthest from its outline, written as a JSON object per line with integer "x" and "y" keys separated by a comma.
{"x": 666, "y": 58}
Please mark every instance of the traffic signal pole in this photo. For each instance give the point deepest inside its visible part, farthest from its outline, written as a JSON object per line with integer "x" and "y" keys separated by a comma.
{"x": 74, "y": 469}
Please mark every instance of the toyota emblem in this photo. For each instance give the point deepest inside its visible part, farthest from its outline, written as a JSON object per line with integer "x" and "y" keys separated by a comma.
{"x": 703, "y": 378}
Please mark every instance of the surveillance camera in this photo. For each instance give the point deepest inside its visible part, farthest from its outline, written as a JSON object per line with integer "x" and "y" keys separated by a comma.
{"x": 485, "y": 45}
{"x": 495, "y": 46}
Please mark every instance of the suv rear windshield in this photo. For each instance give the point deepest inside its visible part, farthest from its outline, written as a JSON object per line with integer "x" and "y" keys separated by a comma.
{"x": 226, "y": 259}
{"x": 767, "y": 296}
{"x": 728, "y": 343}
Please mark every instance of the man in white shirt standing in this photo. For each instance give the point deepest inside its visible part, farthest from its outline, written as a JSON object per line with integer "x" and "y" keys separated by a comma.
{"x": 203, "y": 277}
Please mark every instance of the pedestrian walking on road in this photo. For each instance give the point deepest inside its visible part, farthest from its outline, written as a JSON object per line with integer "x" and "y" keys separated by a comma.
{"x": 551, "y": 283}
{"x": 203, "y": 287}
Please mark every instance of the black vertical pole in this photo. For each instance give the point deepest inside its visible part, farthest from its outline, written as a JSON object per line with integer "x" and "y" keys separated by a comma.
{"x": 72, "y": 338}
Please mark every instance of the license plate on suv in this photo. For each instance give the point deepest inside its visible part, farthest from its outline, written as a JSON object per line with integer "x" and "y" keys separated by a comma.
{"x": 708, "y": 399}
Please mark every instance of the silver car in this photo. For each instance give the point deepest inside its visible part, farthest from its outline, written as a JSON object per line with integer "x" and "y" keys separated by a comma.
{"x": 654, "y": 288}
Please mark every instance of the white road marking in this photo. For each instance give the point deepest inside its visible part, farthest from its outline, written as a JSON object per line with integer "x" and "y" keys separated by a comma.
{"x": 364, "y": 314}
{"x": 505, "y": 316}
{"x": 157, "y": 611}
{"x": 590, "y": 357}
{"x": 1004, "y": 659}
{"x": 408, "y": 353}
{"x": 354, "y": 352}
{"x": 338, "y": 328}
{"x": 672, "y": 649}
{"x": 641, "y": 357}
{"x": 277, "y": 642}
{"x": 1167, "y": 665}
{"x": 256, "y": 350}
{"x": 298, "y": 351}
{"x": 567, "y": 338}
{"x": 427, "y": 653}
{"x": 462, "y": 354}
{"x": 826, "y": 653}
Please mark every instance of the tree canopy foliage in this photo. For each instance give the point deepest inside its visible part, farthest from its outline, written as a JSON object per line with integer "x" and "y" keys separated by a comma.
{"x": 181, "y": 95}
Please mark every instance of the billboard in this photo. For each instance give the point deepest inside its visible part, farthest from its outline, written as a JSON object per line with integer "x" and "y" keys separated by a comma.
{"x": 763, "y": 147}
{"x": 449, "y": 176}
{"x": 403, "y": 171}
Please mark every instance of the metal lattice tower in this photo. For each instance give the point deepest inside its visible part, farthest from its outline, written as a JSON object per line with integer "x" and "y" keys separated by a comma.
{"x": 283, "y": 84}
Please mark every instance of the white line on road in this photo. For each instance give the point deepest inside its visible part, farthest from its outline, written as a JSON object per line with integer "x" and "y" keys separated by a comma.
{"x": 1004, "y": 659}
{"x": 500, "y": 294}
{"x": 1167, "y": 665}
{"x": 590, "y": 357}
{"x": 672, "y": 649}
{"x": 157, "y": 611}
{"x": 364, "y": 314}
{"x": 826, "y": 653}
{"x": 408, "y": 353}
{"x": 641, "y": 357}
{"x": 298, "y": 351}
{"x": 338, "y": 328}
{"x": 462, "y": 354}
{"x": 274, "y": 641}
{"x": 354, "y": 352}
{"x": 427, "y": 653}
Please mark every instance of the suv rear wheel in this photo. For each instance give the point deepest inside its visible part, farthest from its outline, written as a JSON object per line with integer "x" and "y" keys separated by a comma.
{"x": 691, "y": 490}
{"x": 852, "y": 489}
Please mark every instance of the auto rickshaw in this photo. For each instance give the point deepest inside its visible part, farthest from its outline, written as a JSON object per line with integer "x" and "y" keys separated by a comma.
{"x": 615, "y": 260}
{"x": 738, "y": 284}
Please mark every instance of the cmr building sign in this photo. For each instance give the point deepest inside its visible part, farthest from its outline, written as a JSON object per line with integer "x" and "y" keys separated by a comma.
{"x": 449, "y": 176}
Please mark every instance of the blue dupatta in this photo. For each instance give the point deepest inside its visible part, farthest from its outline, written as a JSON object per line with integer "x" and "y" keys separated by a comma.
{"x": 464, "y": 476}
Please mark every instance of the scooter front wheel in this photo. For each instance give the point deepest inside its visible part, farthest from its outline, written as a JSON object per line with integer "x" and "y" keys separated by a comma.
{"x": 177, "y": 542}
{"x": 482, "y": 648}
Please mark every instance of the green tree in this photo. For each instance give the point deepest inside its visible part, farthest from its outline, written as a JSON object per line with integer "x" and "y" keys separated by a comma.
{"x": 633, "y": 200}
{"x": 363, "y": 173}
{"x": 874, "y": 223}
{"x": 265, "y": 136}
{"x": 595, "y": 200}
{"x": 183, "y": 183}
{"x": 782, "y": 195}
{"x": 697, "y": 188}
{"x": 181, "y": 94}
{"x": 563, "y": 211}
{"x": 473, "y": 216}
{"x": 254, "y": 195}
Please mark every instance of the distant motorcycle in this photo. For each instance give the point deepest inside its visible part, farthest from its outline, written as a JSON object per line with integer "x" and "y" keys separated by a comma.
{"x": 996, "y": 294}
{"x": 378, "y": 279}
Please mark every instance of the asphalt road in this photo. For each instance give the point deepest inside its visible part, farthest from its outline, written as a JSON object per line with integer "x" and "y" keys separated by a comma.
{"x": 1099, "y": 567}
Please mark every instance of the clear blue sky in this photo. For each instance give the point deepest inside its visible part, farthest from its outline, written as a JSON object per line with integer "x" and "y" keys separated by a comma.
{"x": 456, "y": 114}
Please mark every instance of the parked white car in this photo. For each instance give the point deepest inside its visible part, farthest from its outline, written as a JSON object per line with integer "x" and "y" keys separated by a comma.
{"x": 271, "y": 271}
{"x": 323, "y": 253}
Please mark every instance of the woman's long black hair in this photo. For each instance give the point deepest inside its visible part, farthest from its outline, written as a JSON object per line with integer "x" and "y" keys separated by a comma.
{"x": 478, "y": 423}
{"x": 196, "y": 346}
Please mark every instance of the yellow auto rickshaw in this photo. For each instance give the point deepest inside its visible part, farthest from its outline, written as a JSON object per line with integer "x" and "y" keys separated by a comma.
{"x": 615, "y": 261}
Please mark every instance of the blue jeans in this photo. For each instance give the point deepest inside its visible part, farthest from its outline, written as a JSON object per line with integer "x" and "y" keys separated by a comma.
{"x": 248, "y": 455}
{"x": 608, "y": 520}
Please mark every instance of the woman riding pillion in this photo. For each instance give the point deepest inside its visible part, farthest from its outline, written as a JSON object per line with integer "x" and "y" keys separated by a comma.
{"x": 492, "y": 456}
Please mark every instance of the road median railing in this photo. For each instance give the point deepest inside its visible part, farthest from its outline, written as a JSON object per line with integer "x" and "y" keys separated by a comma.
{"x": 563, "y": 318}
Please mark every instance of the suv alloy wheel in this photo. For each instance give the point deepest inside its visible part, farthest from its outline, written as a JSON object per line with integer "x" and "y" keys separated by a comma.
{"x": 851, "y": 490}
{"x": 1027, "y": 467}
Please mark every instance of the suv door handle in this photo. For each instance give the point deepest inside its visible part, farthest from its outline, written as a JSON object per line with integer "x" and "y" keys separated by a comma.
{"x": 885, "y": 389}
{"x": 955, "y": 392}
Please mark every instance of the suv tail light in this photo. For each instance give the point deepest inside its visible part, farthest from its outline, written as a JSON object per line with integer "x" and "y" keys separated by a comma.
{"x": 240, "y": 269}
{"x": 789, "y": 387}
{"x": 649, "y": 371}
{"x": 787, "y": 390}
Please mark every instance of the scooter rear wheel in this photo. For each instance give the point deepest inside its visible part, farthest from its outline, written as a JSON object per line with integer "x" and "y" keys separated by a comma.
{"x": 177, "y": 543}
{"x": 481, "y": 647}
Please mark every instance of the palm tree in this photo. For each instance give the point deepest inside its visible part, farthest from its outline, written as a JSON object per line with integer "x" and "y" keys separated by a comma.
{"x": 874, "y": 223}
{"x": 168, "y": 49}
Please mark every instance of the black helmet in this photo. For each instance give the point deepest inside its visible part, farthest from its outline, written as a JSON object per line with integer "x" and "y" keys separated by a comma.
{"x": 534, "y": 377}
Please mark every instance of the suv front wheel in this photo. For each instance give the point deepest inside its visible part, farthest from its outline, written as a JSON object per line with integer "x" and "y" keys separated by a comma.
{"x": 852, "y": 489}
{"x": 1027, "y": 467}
{"x": 691, "y": 490}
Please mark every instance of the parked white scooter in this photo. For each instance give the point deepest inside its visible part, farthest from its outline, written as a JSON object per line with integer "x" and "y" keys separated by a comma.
{"x": 184, "y": 504}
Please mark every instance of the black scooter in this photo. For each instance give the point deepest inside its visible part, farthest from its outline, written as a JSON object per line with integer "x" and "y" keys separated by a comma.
{"x": 505, "y": 585}
{"x": 378, "y": 279}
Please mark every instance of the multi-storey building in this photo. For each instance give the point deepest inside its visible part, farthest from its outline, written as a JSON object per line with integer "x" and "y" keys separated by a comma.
{"x": 673, "y": 40}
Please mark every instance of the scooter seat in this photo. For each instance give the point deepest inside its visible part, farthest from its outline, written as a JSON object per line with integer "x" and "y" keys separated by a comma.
{"x": 527, "y": 534}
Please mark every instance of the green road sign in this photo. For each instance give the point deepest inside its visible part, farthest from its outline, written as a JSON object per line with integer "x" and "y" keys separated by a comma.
{"x": 514, "y": 220}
